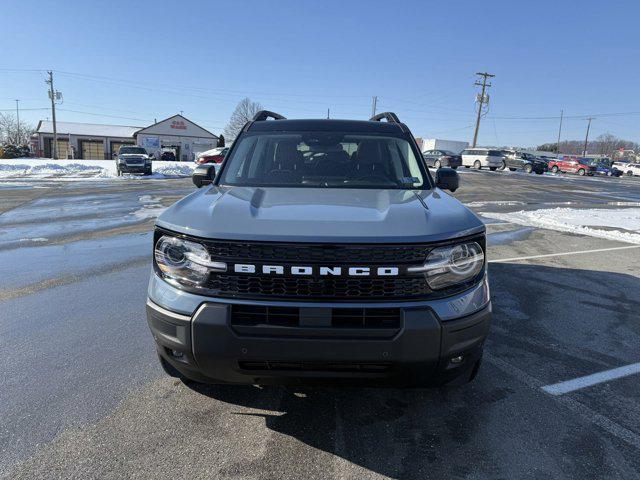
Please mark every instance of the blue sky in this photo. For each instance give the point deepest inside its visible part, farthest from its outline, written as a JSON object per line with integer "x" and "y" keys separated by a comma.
{"x": 126, "y": 62}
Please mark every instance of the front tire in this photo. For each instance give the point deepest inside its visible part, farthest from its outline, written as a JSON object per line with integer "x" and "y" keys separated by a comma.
{"x": 493, "y": 169}
{"x": 477, "y": 165}
{"x": 581, "y": 172}
{"x": 555, "y": 169}
{"x": 528, "y": 168}
{"x": 629, "y": 173}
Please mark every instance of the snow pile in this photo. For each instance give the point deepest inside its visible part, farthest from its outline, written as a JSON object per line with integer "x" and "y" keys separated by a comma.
{"x": 42, "y": 168}
{"x": 622, "y": 224}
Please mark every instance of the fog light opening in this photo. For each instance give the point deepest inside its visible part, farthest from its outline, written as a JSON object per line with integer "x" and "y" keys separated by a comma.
{"x": 457, "y": 360}
{"x": 176, "y": 354}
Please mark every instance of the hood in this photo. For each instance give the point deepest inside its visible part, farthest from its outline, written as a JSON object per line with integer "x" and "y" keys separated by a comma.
{"x": 320, "y": 215}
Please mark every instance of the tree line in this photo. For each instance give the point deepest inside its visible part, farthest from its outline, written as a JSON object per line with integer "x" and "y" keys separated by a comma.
{"x": 606, "y": 144}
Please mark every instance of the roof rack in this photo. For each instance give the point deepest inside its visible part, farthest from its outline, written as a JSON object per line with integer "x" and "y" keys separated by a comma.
{"x": 262, "y": 115}
{"x": 388, "y": 116}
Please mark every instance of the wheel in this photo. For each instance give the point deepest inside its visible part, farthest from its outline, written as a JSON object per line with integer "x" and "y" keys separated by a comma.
{"x": 493, "y": 169}
{"x": 629, "y": 173}
{"x": 581, "y": 172}
{"x": 467, "y": 166}
{"x": 539, "y": 172}
{"x": 528, "y": 168}
{"x": 503, "y": 166}
{"x": 477, "y": 165}
{"x": 437, "y": 164}
{"x": 554, "y": 169}
{"x": 147, "y": 172}
{"x": 455, "y": 168}
{"x": 511, "y": 169}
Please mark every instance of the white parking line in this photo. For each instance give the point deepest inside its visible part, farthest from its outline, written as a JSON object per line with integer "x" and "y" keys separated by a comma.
{"x": 589, "y": 380}
{"x": 578, "y": 252}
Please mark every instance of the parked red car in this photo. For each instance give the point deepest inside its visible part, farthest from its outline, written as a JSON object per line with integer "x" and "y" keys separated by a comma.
{"x": 215, "y": 155}
{"x": 572, "y": 164}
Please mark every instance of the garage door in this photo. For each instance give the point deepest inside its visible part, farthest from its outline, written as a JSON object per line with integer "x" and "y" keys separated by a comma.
{"x": 63, "y": 148}
{"x": 92, "y": 150}
{"x": 115, "y": 146}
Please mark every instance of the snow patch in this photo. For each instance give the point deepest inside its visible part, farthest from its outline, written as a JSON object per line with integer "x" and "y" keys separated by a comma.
{"x": 494, "y": 203}
{"x": 151, "y": 207}
{"x": 613, "y": 224}
{"x": 42, "y": 168}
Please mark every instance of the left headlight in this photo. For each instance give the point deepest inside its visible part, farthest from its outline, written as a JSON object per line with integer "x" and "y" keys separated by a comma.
{"x": 183, "y": 261}
{"x": 451, "y": 265}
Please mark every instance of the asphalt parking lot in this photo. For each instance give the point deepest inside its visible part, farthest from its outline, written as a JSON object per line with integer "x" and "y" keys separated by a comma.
{"x": 82, "y": 396}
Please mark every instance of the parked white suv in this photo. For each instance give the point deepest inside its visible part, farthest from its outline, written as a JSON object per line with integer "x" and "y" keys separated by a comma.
{"x": 482, "y": 157}
{"x": 629, "y": 169}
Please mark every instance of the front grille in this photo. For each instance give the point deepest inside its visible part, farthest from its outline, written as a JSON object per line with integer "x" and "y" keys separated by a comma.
{"x": 258, "y": 315}
{"x": 322, "y": 288}
{"x": 315, "y": 253}
{"x": 333, "y": 367}
{"x": 232, "y": 284}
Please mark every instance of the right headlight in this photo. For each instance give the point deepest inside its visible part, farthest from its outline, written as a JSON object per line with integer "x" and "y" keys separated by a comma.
{"x": 184, "y": 262}
{"x": 451, "y": 265}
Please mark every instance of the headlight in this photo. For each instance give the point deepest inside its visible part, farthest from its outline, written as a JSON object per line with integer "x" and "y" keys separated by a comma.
{"x": 451, "y": 265}
{"x": 184, "y": 262}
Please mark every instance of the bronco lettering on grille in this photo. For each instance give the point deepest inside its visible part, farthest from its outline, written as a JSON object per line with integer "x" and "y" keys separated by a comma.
{"x": 306, "y": 270}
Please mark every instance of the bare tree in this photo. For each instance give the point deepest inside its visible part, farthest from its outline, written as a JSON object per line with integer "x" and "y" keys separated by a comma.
{"x": 244, "y": 112}
{"x": 12, "y": 133}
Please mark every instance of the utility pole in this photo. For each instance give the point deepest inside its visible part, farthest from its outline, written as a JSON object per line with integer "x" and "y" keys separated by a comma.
{"x": 52, "y": 95}
{"x": 483, "y": 100}
{"x": 586, "y": 138}
{"x": 559, "y": 132}
{"x": 328, "y": 111}
{"x": 373, "y": 106}
{"x": 18, "y": 121}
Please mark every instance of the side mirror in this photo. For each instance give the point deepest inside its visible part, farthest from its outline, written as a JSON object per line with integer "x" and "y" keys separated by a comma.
{"x": 447, "y": 179}
{"x": 204, "y": 175}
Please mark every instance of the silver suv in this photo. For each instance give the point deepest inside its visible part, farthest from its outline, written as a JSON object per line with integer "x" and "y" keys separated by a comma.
{"x": 320, "y": 250}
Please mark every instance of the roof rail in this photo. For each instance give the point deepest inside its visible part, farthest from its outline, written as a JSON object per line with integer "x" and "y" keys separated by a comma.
{"x": 262, "y": 115}
{"x": 388, "y": 116}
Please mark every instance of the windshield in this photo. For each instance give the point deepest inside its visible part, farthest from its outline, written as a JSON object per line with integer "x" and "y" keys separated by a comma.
{"x": 324, "y": 159}
{"x": 132, "y": 151}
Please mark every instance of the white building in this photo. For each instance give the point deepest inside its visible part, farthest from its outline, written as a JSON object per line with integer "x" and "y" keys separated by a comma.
{"x": 176, "y": 133}
{"x": 97, "y": 141}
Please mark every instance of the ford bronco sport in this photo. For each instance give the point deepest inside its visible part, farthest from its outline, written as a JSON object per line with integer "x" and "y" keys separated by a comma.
{"x": 320, "y": 250}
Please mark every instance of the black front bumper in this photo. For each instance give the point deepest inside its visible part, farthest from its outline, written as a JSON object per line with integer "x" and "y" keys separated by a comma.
{"x": 207, "y": 348}
{"x": 124, "y": 168}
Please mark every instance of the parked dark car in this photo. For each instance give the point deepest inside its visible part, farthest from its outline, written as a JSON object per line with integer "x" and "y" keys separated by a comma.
{"x": 604, "y": 168}
{"x": 168, "y": 156}
{"x": 442, "y": 158}
{"x": 526, "y": 162}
